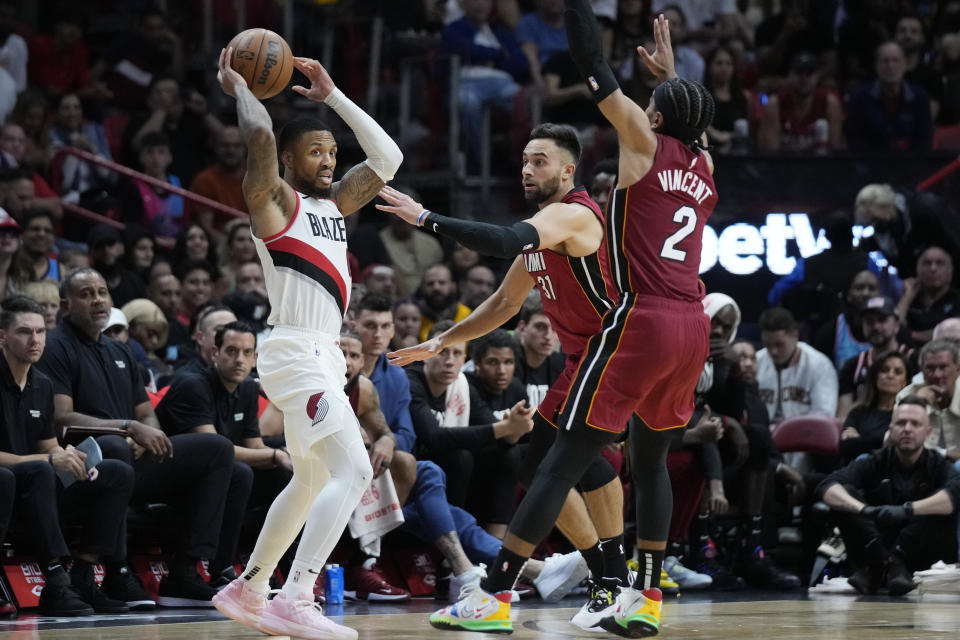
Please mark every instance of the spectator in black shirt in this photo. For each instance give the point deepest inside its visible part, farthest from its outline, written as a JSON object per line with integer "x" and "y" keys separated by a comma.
{"x": 96, "y": 384}
{"x": 223, "y": 399}
{"x": 164, "y": 290}
{"x": 893, "y": 507}
{"x": 106, "y": 252}
{"x": 206, "y": 321}
{"x": 456, "y": 429}
{"x": 541, "y": 363}
{"x": 867, "y": 422}
{"x": 494, "y": 361}
{"x": 28, "y": 448}
{"x": 929, "y": 298}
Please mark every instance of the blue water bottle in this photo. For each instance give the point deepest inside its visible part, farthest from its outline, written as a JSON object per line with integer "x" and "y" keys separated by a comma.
{"x": 333, "y": 587}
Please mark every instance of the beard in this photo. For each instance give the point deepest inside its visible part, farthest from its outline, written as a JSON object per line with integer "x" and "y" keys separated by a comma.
{"x": 440, "y": 302}
{"x": 544, "y": 192}
{"x": 307, "y": 185}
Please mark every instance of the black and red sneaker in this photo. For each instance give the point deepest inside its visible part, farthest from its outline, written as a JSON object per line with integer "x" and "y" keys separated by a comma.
{"x": 365, "y": 582}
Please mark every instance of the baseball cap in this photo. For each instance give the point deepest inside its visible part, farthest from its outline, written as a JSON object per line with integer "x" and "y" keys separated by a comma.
{"x": 880, "y": 304}
{"x": 804, "y": 61}
{"x": 117, "y": 319}
{"x": 7, "y": 222}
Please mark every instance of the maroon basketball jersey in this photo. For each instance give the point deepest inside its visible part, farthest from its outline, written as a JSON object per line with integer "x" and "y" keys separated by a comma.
{"x": 654, "y": 227}
{"x": 572, "y": 290}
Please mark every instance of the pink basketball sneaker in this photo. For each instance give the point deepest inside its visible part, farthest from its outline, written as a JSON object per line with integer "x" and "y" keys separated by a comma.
{"x": 301, "y": 619}
{"x": 240, "y": 603}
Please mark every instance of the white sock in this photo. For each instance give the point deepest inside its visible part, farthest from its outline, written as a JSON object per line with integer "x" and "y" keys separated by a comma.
{"x": 300, "y": 582}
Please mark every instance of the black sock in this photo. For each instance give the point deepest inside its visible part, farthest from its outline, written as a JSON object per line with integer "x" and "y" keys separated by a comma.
{"x": 594, "y": 558}
{"x": 701, "y": 529}
{"x": 648, "y": 573}
{"x": 675, "y": 549}
{"x": 614, "y": 561}
{"x": 505, "y": 572}
{"x": 53, "y": 568}
{"x": 79, "y": 564}
{"x": 753, "y": 527}
{"x": 183, "y": 567}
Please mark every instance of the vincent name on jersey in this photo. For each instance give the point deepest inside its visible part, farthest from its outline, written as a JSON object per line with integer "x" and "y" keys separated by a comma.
{"x": 534, "y": 262}
{"x": 685, "y": 181}
{"x": 328, "y": 227}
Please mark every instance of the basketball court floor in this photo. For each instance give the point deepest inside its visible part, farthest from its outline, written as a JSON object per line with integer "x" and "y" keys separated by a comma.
{"x": 705, "y": 616}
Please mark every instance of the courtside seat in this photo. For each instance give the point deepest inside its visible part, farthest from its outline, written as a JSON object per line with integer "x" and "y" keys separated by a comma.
{"x": 813, "y": 433}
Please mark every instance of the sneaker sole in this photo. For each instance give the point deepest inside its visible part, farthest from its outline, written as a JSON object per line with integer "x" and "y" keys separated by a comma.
{"x": 639, "y": 627}
{"x": 274, "y": 626}
{"x": 449, "y": 624}
{"x": 168, "y": 601}
{"x": 375, "y": 597}
{"x": 141, "y": 605}
{"x": 232, "y": 611}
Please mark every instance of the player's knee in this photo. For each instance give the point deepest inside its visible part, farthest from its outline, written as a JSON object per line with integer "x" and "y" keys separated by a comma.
{"x": 597, "y": 475}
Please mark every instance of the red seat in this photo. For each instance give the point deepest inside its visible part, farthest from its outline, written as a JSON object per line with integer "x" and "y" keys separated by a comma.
{"x": 947, "y": 138}
{"x": 814, "y": 433}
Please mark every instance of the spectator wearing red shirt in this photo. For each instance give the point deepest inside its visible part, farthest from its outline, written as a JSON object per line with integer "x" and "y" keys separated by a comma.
{"x": 58, "y": 63}
{"x": 13, "y": 151}
{"x": 222, "y": 181}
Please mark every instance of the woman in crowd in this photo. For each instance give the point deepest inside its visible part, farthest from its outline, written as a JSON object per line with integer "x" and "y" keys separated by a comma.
{"x": 867, "y": 422}
{"x": 46, "y": 293}
{"x": 237, "y": 249}
{"x": 734, "y": 120}
{"x": 140, "y": 251}
{"x": 194, "y": 243}
{"x": 80, "y": 181}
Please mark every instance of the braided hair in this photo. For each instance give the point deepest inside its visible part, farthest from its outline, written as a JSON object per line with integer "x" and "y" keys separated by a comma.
{"x": 687, "y": 109}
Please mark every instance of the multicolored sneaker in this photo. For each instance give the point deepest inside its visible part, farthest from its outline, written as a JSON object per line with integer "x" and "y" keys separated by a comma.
{"x": 238, "y": 601}
{"x": 684, "y": 577}
{"x": 476, "y": 610}
{"x": 667, "y": 584}
{"x": 285, "y": 616}
{"x": 601, "y": 604}
{"x": 636, "y": 615}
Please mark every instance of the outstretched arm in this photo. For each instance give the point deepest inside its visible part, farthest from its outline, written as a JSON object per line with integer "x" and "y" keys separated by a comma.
{"x": 361, "y": 183}
{"x": 271, "y": 201}
{"x": 491, "y": 314}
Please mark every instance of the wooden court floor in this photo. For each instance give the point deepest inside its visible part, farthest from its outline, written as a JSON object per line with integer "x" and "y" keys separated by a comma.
{"x": 825, "y": 617}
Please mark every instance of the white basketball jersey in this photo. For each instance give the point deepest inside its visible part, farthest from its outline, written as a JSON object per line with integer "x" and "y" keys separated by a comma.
{"x": 305, "y": 268}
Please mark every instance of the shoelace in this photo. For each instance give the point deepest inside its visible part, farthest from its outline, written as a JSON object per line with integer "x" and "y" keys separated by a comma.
{"x": 600, "y": 598}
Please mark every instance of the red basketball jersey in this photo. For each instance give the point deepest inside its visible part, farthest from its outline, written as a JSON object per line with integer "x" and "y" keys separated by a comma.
{"x": 572, "y": 290}
{"x": 654, "y": 227}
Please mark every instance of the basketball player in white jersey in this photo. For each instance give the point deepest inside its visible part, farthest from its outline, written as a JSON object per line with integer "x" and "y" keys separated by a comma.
{"x": 297, "y": 224}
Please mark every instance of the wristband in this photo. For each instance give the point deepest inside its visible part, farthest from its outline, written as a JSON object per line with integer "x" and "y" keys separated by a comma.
{"x": 422, "y": 215}
{"x": 908, "y": 507}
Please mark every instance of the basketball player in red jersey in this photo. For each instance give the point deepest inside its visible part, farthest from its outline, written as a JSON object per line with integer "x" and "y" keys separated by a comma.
{"x": 567, "y": 266}
{"x": 298, "y": 229}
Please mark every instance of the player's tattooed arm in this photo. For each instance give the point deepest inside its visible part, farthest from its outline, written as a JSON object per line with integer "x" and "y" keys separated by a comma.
{"x": 357, "y": 187}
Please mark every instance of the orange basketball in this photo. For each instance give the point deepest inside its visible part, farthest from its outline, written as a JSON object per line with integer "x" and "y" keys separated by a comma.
{"x": 264, "y": 60}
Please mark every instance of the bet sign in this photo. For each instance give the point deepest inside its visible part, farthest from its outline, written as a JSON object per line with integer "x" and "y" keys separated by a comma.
{"x": 742, "y": 248}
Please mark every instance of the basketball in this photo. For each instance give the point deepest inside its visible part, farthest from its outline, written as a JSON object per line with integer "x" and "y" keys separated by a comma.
{"x": 264, "y": 60}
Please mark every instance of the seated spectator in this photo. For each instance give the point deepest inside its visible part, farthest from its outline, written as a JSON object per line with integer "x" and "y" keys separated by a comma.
{"x": 381, "y": 279}
{"x": 13, "y": 153}
{"x": 461, "y": 259}
{"x": 195, "y": 243}
{"x": 880, "y": 329}
{"x": 494, "y": 361}
{"x": 688, "y": 62}
{"x": 198, "y": 353}
{"x": 893, "y": 506}
{"x": 106, "y": 250}
{"x": 921, "y": 69}
{"x": 842, "y": 338}
{"x": 223, "y": 399}
{"x": 491, "y": 65}
{"x": 705, "y": 22}
{"x": 407, "y": 319}
{"x": 197, "y": 277}
{"x": 794, "y": 378}
{"x": 929, "y": 298}
{"x": 411, "y": 251}
{"x": 38, "y": 237}
{"x": 734, "y": 119}
{"x": 148, "y": 329}
{"x": 801, "y": 117}
{"x": 190, "y": 472}
{"x": 139, "y": 251}
{"x": 80, "y": 181}
{"x": 31, "y": 114}
{"x": 187, "y": 124}
{"x": 250, "y": 278}
{"x": 477, "y": 285}
{"x": 97, "y": 499}
{"x": 71, "y": 259}
{"x": 905, "y": 223}
{"x": 540, "y": 362}
{"x": 866, "y": 425}
{"x": 223, "y": 181}
{"x": 138, "y": 56}
{"x": 12, "y": 274}
{"x": 949, "y": 328}
{"x": 457, "y": 430}
{"x": 237, "y": 249}
{"x": 13, "y": 48}
{"x": 541, "y": 35}
{"x": 46, "y": 294}
{"x": 940, "y": 366}
{"x": 565, "y": 96}
{"x": 17, "y": 192}
{"x": 158, "y": 210}
{"x": 437, "y": 299}
{"x": 798, "y": 26}
{"x": 59, "y": 62}
{"x": 889, "y": 113}
{"x": 604, "y": 180}
{"x": 165, "y": 292}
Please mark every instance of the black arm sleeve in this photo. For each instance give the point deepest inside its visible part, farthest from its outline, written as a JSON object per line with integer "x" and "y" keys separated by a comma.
{"x": 586, "y": 48}
{"x": 486, "y": 239}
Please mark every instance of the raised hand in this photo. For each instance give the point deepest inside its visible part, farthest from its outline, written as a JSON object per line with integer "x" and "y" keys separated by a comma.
{"x": 400, "y": 205}
{"x": 320, "y": 83}
{"x": 660, "y": 62}
{"x": 227, "y": 76}
{"x": 416, "y": 353}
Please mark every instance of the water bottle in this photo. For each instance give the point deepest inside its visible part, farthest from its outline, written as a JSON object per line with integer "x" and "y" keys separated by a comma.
{"x": 333, "y": 588}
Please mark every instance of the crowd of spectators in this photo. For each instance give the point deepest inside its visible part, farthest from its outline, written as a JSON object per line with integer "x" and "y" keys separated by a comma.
{"x": 153, "y": 329}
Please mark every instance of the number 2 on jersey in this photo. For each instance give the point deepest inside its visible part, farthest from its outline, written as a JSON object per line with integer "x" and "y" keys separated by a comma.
{"x": 546, "y": 286}
{"x": 687, "y": 217}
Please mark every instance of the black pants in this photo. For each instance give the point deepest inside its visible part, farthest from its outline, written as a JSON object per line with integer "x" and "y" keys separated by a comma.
{"x": 8, "y": 493}
{"x": 923, "y": 540}
{"x": 195, "y": 482}
{"x": 484, "y": 481}
{"x": 100, "y": 507}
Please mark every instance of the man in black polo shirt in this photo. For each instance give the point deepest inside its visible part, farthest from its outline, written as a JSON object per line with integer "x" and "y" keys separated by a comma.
{"x": 222, "y": 399}
{"x": 929, "y": 298}
{"x": 29, "y": 451}
{"x": 494, "y": 363}
{"x": 96, "y": 383}
{"x": 203, "y": 327}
